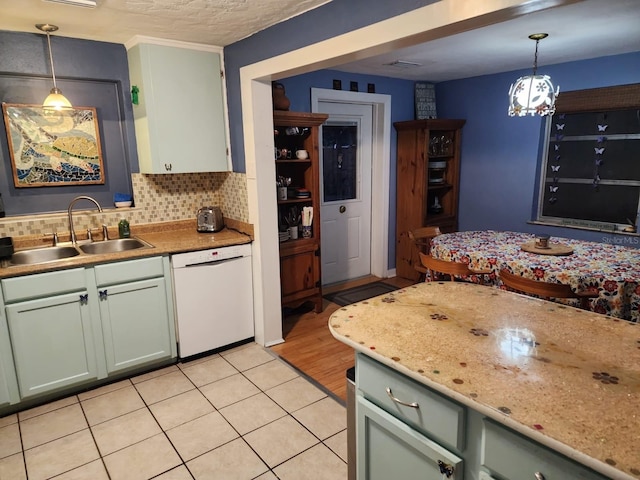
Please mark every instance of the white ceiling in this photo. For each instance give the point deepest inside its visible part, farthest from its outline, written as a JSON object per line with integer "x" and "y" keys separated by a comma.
{"x": 586, "y": 29}
{"x": 211, "y": 22}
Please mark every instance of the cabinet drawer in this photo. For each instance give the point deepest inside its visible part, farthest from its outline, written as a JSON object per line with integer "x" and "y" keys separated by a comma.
{"x": 43, "y": 285}
{"x": 128, "y": 271}
{"x": 513, "y": 456}
{"x": 390, "y": 449}
{"x": 435, "y": 415}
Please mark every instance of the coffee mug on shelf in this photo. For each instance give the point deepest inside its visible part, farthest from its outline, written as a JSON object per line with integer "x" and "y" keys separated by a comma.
{"x": 302, "y": 154}
{"x": 282, "y": 193}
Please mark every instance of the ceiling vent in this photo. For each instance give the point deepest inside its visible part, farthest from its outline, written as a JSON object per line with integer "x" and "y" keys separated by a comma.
{"x": 76, "y": 3}
{"x": 404, "y": 64}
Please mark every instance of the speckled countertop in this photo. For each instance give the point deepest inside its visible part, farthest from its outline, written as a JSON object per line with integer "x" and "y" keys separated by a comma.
{"x": 567, "y": 378}
{"x": 165, "y": 238}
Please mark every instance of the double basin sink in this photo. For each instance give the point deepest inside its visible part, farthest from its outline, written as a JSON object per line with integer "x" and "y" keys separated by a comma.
{"x": 49, "y": 254}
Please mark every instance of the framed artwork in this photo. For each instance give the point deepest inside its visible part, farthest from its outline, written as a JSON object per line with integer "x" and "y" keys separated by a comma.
{"x": 53, "y": 148}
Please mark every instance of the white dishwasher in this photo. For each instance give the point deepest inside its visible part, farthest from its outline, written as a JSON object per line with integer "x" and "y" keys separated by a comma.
{"x": 213, "y": 292}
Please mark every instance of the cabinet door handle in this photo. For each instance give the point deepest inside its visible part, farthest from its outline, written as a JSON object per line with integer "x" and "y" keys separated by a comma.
{"x": 167, "y": 167}
{"x": 397, "y": 400}
{"x": 445, "y": 469}
{"x": 103, "y": 294}
{"x": 538, "y": 476}
{"x": 84, "y": 299}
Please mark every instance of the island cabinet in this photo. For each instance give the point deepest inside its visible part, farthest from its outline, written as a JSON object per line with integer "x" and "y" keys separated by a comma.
{"x": 300, "y": 276}
{"x": 407, "y": 431}
{"x": 56, "y": 341}
{"x": 428, "y": 174}
{"x": 178, "y": 108}
{"x": 395, "y": 437}
{"x": 136, "y": 312}
{"x": 71, "y": 328}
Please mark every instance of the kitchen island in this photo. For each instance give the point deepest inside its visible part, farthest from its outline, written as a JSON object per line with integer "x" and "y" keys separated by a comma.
{"x": 553, "y": 381}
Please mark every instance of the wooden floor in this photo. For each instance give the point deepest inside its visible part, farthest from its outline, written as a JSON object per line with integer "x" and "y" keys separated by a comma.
{"x": 310, "y": 347}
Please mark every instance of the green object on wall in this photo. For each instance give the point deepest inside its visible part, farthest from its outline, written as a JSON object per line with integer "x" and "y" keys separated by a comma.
{"x": 134, "y": 94}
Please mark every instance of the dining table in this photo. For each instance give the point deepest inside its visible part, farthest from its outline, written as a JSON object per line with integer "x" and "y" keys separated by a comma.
{"x": 611, "y": 269}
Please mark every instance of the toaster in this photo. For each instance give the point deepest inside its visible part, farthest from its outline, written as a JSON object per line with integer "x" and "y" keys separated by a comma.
{"x": 210, "y": 219}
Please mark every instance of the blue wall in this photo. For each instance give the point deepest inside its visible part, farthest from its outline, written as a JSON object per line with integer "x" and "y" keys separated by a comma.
{"x": 501, "y": 154}
{"x": 327, "y": 21}
{"x": 91, "y": 74}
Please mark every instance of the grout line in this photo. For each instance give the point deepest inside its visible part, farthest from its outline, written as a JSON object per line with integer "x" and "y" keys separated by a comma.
{"x": 197, "y": 388}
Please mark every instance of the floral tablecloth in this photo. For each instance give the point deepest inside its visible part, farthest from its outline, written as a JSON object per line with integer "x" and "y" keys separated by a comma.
{"x": 612, "y": 269}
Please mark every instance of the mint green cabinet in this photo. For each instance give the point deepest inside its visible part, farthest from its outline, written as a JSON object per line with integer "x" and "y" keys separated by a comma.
{"x": 52, "y": 337}
{"x": 8, "y": 384}
{"x": 180, "y": 118}
{"x": 389, "y": 448}
{"x": 74, "y": 327}
{"x": 136, "y": 310}
{"x": 405, "y": 430}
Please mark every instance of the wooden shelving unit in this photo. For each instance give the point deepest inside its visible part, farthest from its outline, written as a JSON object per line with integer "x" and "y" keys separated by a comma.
{"x": 428, "y": 175}
{"x": 300, "y": 278}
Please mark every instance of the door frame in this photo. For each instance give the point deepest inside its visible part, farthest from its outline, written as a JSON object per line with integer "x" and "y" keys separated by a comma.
{"x": 380, "y": 164}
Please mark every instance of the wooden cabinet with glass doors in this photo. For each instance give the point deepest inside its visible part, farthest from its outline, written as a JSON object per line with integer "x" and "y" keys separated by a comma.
{"x": 428, "y": 173}
{"x": 300, "y": 279}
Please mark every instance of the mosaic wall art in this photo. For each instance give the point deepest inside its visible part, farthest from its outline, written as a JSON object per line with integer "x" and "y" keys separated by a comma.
{"x": 51, "y": 148}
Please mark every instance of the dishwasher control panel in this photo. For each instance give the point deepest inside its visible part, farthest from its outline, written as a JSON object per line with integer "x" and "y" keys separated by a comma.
{"x": 211, "y": 255}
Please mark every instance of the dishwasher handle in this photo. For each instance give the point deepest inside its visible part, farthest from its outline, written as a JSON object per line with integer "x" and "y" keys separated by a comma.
{"x": 212, "y": 262}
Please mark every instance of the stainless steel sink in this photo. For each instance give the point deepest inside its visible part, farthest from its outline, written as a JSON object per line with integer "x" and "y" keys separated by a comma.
{"x": 113, "y": 246}
{"x": 43, "y": 255}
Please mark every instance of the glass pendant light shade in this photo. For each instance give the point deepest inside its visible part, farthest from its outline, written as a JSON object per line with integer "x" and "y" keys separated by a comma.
{"x": 55, "y": 100}
{"x": 533, "y": 94}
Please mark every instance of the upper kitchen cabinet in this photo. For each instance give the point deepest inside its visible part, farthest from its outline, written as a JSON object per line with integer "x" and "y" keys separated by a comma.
{"x": 179, "y": 115}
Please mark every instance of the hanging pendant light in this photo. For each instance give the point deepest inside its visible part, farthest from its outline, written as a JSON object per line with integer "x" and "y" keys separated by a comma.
{"x": 533, "y": 94}
{"x": 55, "y": 100}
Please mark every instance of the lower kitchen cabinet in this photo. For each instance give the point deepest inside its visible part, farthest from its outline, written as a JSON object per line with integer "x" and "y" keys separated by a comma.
{"x": 406, "y": 431}
{"x": 136, "y": 313}
{"x": 52, "y": 336}
{"x": 389, "y": 448}
{"x": 513, "y": 456}
{"x": 8, "y": 384}
{"x": 73, "y": 327}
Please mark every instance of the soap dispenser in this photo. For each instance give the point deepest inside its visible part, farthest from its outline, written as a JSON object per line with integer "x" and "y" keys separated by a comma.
{"x": 123, "y": 228}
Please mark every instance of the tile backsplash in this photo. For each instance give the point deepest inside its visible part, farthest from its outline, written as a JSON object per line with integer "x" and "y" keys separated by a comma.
{"x": 157, "y": 198}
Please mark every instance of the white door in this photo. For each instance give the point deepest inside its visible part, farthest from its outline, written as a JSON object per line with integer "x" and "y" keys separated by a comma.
{"x": 345, "y": 204}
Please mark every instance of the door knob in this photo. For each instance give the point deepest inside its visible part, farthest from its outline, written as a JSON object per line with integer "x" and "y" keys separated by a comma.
{"x": 342, "y": 209}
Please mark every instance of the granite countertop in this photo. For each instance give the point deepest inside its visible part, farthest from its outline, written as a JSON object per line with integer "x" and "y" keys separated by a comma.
{"x": 567, "y": 378}
{"x": 165, "y": 238}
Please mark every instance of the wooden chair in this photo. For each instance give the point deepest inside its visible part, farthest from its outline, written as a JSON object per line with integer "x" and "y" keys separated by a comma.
{"x": 421, "y": 238}
{"x": 545, "y": 290}
{"x": 435, "y": 266}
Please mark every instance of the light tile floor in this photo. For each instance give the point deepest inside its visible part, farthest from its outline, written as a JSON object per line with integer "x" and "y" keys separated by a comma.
{"x": 241, "y": 414}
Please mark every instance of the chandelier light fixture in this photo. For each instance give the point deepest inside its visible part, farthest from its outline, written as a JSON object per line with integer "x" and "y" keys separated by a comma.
{"x": 533, "y": 94}
{"x": 55, "y": 100}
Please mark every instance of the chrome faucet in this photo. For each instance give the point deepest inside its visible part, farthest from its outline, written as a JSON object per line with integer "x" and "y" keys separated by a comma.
{"x": 69, "y": 214}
